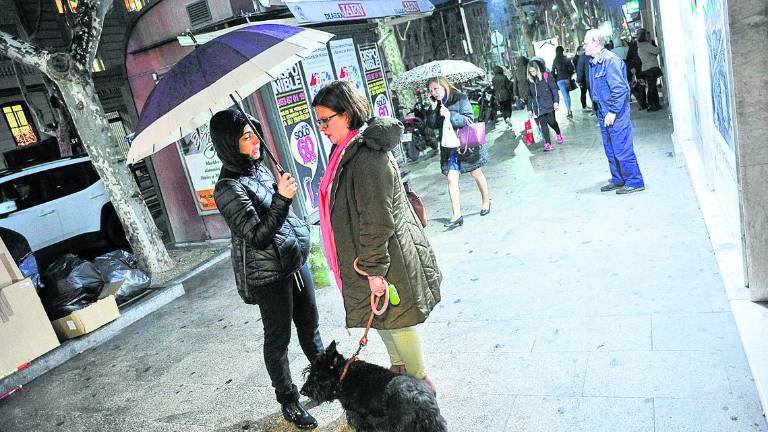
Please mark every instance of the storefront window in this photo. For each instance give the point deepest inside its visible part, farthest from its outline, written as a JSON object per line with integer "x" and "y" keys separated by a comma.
{"x": 69, "y": 4}
{"x": 16, "y": 115}
{"x": 98, "y": 65}
{"x": 134, "y": 5}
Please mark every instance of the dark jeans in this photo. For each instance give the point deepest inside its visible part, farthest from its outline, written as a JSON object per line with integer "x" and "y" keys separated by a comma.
{"x": 583, "y": 90}
{"x": 651, "y": 76}
{"x": 548, "y": 119}
{"x": 289, "y": 300}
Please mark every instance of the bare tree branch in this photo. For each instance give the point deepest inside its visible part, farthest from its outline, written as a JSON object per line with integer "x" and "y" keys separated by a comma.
{"x": 23, "y": 52}
{"x": 86, "y": 31}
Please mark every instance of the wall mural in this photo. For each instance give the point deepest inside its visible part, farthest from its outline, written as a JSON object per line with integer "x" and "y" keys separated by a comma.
{"x": 714, "y": 16}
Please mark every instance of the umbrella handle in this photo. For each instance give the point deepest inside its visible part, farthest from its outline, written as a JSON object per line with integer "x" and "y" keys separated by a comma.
{"x": 264, "y": 147}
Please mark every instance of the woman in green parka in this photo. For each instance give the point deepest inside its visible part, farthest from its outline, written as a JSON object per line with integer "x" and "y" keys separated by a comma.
{"x": 365, "y": 216}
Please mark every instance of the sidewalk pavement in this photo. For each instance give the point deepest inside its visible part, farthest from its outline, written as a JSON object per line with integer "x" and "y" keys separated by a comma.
{"x": 564, "y": 309}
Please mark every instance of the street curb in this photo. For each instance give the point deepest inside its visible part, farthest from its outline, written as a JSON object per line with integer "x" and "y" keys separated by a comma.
{"x": 71, "y": 348}
{"x": 131, "y": 312}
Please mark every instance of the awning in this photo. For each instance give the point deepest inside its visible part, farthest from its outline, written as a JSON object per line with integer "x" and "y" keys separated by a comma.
{"x": 320, "y": 11}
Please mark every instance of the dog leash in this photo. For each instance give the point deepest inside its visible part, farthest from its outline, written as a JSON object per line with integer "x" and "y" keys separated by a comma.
{"x": 374, "y": 312}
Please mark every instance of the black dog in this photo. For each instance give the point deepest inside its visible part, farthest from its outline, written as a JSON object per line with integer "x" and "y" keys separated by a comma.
{"x": 374, "y": 398}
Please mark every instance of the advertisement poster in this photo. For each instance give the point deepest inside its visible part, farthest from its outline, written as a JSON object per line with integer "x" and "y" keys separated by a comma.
{"x": 295, "y": 114}
{"x": 374, "y": 80}
{"x": 318, "y": 71}
{"x": 202, "y": 166}
{"x": 719, "y": 71}
{"x": 345, "y": 63}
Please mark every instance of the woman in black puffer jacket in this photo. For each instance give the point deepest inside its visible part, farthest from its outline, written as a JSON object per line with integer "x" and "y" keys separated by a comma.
{"x": 270, "y": 246}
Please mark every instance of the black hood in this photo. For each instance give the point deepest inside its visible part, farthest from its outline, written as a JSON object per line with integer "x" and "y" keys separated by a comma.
{"x": 226, "y": 129}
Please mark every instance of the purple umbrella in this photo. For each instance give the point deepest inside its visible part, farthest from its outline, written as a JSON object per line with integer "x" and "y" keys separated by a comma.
{"x": 214, "y": 76}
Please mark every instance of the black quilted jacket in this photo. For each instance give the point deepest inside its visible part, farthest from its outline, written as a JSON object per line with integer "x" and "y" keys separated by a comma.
{"x": 269, "y": 242}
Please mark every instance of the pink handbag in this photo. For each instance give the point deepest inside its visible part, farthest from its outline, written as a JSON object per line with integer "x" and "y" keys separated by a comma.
{"x": 471, "y": 136}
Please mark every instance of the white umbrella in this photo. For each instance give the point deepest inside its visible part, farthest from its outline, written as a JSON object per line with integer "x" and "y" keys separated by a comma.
{"x": 455, "y": 71}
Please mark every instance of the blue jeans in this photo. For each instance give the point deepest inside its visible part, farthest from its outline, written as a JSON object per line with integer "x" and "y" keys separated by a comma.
{"x": 563, "y": 84}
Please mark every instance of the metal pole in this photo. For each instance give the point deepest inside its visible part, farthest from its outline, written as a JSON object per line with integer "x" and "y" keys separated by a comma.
{"x": 466, "y": 30}
{"x": 445, "y": 35}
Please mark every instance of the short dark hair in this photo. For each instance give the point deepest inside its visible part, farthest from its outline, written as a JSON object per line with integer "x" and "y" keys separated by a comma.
{"x": 341, "y": 97}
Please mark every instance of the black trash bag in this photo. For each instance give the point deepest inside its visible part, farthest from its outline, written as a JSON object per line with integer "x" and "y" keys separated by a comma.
{"x": 56, "y": 312}
{"x": 70, "y": 282}
{"x": 120, "y": 265}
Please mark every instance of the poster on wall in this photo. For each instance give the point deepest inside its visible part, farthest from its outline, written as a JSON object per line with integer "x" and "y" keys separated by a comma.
{"x": 375, "y": 82}
{"x": 345, "y": 63}
{"x": 202, "y": 167}
{"x": 719, "y": 69}
{"x": 295, "y": 115}
{"x": 318, "y": 71}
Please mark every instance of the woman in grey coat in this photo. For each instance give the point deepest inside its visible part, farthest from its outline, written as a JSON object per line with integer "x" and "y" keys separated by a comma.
{"x": 449, "y": 103}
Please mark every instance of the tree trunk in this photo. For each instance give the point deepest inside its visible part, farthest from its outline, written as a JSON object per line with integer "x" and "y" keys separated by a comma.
{"x": 100, "y": 144}
{"x": 88, "y": 116}
{"x": 65, "y": 124}
{"x": 70, "y": 71}
{"x": 528, "y": 29}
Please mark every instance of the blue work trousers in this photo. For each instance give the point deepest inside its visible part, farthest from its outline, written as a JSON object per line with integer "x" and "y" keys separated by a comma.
{"x": 617, "y": 142}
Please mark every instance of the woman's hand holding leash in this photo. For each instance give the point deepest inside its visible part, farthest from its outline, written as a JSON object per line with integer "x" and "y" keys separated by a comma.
{"x": 379, "y": 288}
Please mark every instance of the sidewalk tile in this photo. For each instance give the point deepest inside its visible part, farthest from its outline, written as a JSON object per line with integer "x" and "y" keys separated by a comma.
{"x": 674, "y": 374}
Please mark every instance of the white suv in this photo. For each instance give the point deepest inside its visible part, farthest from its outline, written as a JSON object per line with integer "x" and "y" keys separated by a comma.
{"x": 59, "y": 204}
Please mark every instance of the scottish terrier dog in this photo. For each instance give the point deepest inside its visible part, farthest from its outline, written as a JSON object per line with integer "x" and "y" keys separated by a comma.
{"x": 374, "y": 398}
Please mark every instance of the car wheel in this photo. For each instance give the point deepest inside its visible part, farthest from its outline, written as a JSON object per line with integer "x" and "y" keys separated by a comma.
{"x": 114, "y": 232}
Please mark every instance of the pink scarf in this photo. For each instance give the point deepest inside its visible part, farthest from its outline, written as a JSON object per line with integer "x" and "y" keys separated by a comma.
{"x": 324, "y": 198}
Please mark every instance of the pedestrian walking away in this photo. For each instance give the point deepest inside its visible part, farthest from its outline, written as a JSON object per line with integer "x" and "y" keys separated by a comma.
{"x": 270, "y": 246}
{"x": 447, "y": 103}
{"x": 562, "y": 69}
{"x": 521, "y": 81}
{"x": 365, "y": 217}
{"x": 610, "y": 93}
{"x": 543, "y": 100}
{"x": 582, "y": 77}
{"x": 649, "y": 70}
{"x": 504, "y": 92}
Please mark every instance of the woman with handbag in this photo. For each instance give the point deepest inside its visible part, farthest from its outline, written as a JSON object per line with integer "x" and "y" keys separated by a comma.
{"x": 447, "y": 103}
{"x": 368, "y": 225}
{"x": 543, "y": 100}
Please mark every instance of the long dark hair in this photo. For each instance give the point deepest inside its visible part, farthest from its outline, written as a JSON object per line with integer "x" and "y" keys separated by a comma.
{"x": 559, "y": 54}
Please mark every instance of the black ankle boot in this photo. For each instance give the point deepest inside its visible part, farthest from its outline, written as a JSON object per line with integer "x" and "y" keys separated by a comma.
{"x": 296, "y": 414}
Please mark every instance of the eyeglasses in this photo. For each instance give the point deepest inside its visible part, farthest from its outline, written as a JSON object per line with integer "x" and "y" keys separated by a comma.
{"x": 323, "y": 122}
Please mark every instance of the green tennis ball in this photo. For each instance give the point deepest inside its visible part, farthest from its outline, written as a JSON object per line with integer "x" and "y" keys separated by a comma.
{"x": 394, "y": 297}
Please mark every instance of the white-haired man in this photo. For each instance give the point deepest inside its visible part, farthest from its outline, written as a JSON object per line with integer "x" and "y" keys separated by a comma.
{"x": 610, "y": 93}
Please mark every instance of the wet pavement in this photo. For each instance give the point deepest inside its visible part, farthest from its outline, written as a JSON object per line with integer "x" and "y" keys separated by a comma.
{"x": 564, "y": 309}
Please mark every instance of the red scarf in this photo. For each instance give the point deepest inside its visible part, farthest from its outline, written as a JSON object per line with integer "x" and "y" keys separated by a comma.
{"x": 324, "y": 198}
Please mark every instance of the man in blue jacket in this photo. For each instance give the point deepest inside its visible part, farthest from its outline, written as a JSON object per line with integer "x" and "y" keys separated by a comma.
{"x": 610, "y": 95}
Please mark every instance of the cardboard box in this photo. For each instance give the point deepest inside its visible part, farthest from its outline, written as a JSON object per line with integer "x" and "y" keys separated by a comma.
{"x": 25, "y": 332}
{"x": 9, "y": 271}
{"x": 87, "y": 319}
